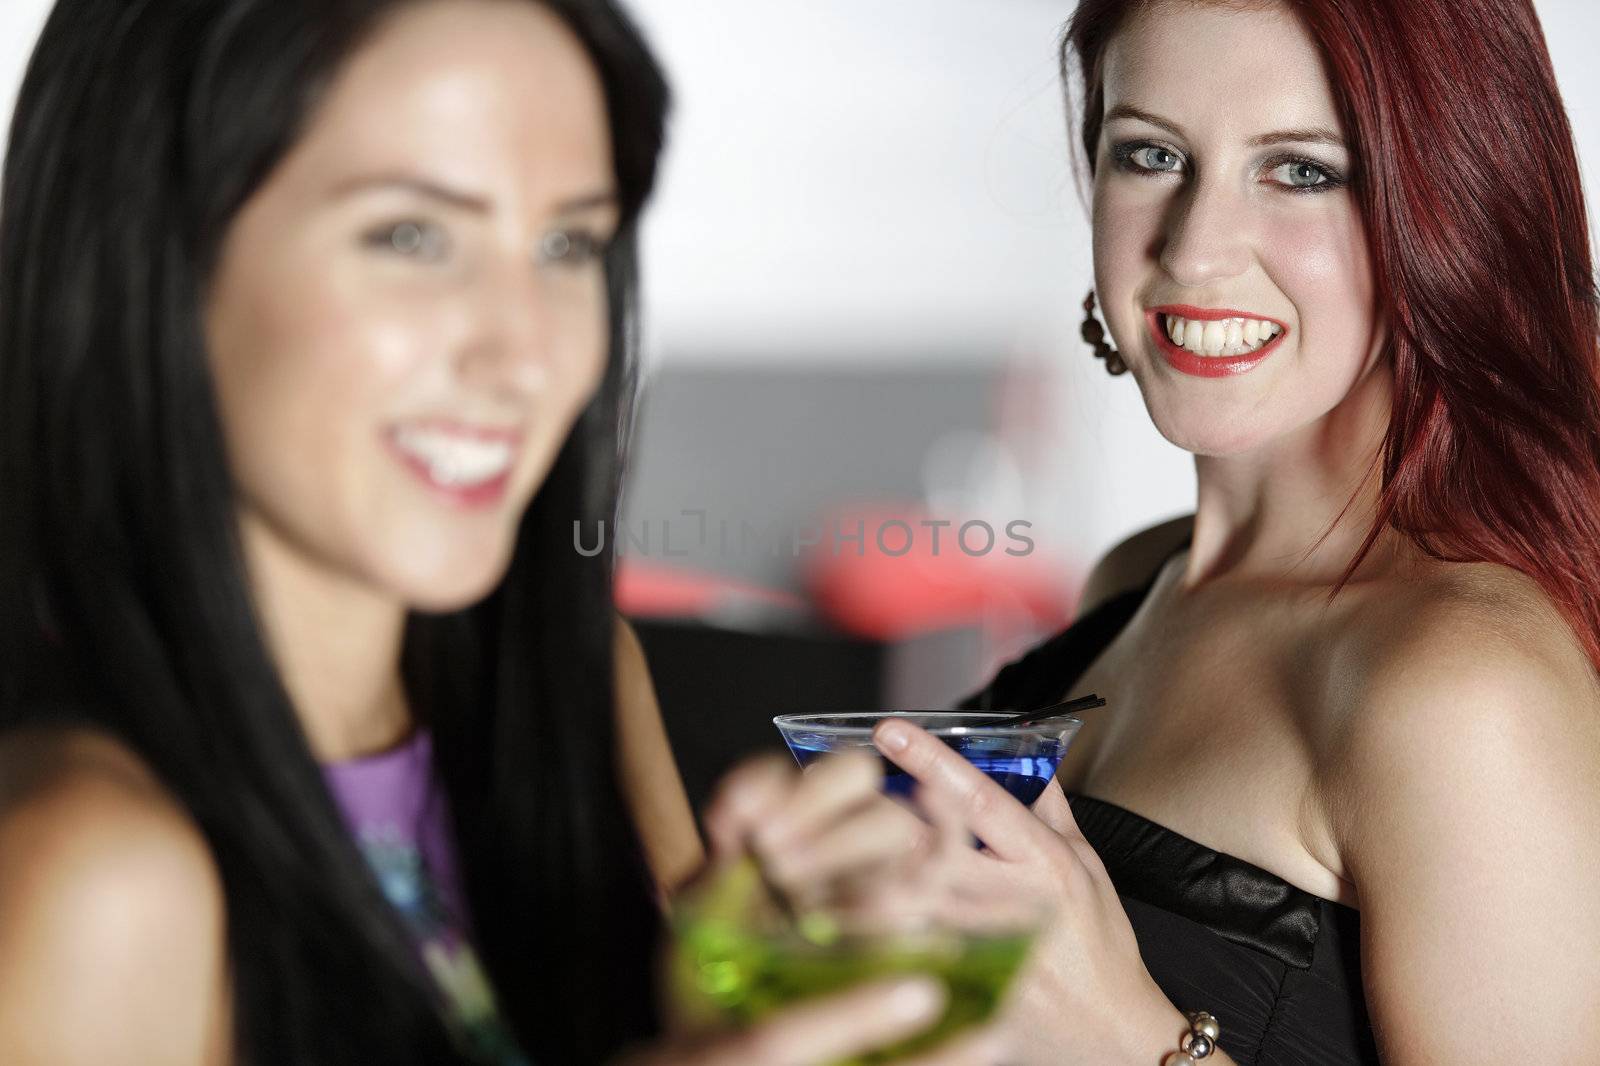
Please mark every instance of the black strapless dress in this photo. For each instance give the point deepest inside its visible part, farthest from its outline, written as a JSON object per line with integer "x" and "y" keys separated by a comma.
{"x": 1278, "y": 966}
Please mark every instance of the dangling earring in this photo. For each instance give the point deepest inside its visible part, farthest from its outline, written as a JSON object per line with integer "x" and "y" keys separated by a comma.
{"x": 1094, "y": 335}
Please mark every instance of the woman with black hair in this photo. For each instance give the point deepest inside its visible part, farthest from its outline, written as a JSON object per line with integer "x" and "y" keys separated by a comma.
{"x": 314, "y": 346}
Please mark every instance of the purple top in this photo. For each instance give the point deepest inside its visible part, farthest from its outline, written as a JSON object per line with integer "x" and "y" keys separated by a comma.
{"x": 398, "y": 816}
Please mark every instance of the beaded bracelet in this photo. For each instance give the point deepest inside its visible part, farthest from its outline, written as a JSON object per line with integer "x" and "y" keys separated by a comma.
{"x": 1199, "y": 1042}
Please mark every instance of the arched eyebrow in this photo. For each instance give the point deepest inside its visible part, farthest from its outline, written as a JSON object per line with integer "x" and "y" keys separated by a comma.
{"x": 412, "y": 183}
{"x": 460, "y": 198}
{"x": 1307, "y": 135}
{"x": 602, "y": 198}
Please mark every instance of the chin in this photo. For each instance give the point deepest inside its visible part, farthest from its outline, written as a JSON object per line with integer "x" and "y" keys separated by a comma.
{"x": 441, "y": 600}
{"x": 1211, "y": 437}
{"x": 1204, "y": 424}
{"x": 451, "y": 585}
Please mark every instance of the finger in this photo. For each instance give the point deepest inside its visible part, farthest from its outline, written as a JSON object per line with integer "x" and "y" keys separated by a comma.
{"x": 1007, "y": 827}
{"x": 937, "y": 884}
{"x": 950, "y": 847}
{"x": 979, "y": 890}
{"x": 1053, "y": 810}
{"x": 878, "y": 833}
{"x": 839, "y": 1026}
{"x": 829, "y": 788}
{"x": 747, "y": 797}
{"x": 945, "y": 814}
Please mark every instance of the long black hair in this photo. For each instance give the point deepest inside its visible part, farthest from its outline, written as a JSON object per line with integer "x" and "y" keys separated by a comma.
{"x": 141, "y": 128}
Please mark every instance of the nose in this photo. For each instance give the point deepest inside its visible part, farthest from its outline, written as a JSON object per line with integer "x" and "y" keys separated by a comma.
{"x": 1207, "y": 236}
{"x": 511, "y": 351}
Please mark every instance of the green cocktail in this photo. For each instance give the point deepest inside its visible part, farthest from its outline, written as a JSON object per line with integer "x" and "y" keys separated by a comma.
{"x": 731, "y": 961}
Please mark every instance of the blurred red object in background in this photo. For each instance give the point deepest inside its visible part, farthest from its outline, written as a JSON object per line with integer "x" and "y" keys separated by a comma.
{"x": 897, "y": 580}
{"x": 652, "y": 590}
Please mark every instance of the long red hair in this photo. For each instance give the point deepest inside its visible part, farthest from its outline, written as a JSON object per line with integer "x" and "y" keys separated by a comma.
{"x": 1470, "y": 192}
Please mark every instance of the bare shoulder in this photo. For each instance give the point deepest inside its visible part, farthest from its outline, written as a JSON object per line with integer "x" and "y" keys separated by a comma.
{"x": 1465, "y": 625}
{"x": 1463, "y": 797}
{"x": 1469, "y": 670}
{"x": 110, "y": 908}
{"x": 84, "y": 785}
{"x": 1133, "y": 561}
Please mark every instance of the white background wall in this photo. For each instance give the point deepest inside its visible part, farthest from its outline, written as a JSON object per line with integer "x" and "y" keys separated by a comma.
{"x": 885, "y": 182}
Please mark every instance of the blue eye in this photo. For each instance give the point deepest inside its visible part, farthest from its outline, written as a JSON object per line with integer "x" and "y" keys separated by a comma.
{"x": 410, "y": 238}
{"x": 1305, "y": 175}
{"x": 572, "y": 248}
{"x": 1143, "y": 157}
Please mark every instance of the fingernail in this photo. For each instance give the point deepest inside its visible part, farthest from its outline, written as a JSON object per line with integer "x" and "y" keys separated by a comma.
{"x": 893, "y": 735}
{"x": 920, "y": 997}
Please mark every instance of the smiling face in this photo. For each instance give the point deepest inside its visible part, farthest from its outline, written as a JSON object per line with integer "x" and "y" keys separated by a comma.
{"x": 1230, "y": 260}
{"x": 410, "y": 312}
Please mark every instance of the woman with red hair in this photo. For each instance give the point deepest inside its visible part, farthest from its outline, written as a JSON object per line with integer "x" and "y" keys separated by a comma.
{"x": 1345, "y": 798}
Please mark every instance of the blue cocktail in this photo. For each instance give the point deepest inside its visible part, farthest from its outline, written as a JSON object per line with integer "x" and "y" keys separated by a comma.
{"x": 1021, "y": 759}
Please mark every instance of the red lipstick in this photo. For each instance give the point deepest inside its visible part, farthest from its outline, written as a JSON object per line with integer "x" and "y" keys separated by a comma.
{"x": 1208, "y": 366}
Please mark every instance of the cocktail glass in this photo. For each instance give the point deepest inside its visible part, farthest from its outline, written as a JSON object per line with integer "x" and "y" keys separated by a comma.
{"x": 1020, "y": 758}
{"x": 736, "y": 958}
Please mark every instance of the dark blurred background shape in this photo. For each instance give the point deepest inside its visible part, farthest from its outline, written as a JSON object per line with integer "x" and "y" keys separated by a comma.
{"x": 793, "y": 541}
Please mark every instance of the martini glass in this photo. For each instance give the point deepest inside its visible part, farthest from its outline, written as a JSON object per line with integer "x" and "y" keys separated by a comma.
{"x": 737, "y": 957}
{"x": 1019, "y": 758}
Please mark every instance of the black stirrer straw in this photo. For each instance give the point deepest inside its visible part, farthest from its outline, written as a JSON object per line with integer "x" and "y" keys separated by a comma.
{"x": 1056, "y": 710}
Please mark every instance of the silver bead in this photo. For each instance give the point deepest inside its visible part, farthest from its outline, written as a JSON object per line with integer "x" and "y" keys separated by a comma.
{"x": 1206, "y": 1024}
{"x": 1198, "y": 1045}
{"x": 1178, "y": 1058}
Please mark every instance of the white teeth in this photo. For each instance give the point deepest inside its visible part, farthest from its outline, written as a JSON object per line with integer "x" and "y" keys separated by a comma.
{"x": 1226, "y": 336}
{"x": 1192, "y": 332}
{"x": 453, "y": 459}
